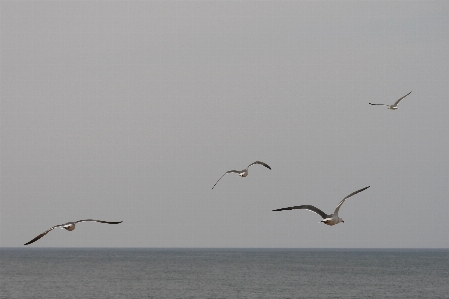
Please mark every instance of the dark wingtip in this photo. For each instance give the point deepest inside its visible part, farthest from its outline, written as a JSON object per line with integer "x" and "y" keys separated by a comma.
{"x": 111, "y": 222}
{"x": 35, "y": 239}
{"x": 32, "y": 241}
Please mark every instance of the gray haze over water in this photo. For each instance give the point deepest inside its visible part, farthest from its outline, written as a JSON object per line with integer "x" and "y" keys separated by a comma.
{"x": 131, "y": 111}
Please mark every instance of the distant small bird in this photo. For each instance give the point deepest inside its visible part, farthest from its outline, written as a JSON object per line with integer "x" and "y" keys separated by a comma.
{"x": 327, "y": 219}
{"x": 395, "y": 105}
{"x": 243, "y": 173}
{"x": 68, "y": 226}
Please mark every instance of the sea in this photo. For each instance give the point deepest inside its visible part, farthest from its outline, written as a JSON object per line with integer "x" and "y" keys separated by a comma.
{"x": 108, "y": 273}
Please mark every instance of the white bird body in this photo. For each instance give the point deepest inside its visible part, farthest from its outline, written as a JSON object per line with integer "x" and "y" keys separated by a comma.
{"x": 69, "y": 227}
{"x": 331, "y": 219}
{"x": 395, "y": 105}
{"x": 243, "y": 173}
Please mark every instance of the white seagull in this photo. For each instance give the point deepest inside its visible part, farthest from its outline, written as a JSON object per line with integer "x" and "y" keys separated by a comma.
{"x": 395, "y": 105}
{"x": 327, "y": 219}
{"x": 243, "y": 173}
{"x": 68, "y": 226}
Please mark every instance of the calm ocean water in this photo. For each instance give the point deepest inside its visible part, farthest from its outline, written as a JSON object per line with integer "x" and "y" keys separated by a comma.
{"x": 223, "y": 273}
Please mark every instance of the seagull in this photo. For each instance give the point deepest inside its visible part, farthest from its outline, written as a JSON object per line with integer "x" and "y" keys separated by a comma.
{"x": 395, "y": 105}
{"x": 243, "y": 173}
{"x": 327, "y": 219}
{"x": 68, "y": 226}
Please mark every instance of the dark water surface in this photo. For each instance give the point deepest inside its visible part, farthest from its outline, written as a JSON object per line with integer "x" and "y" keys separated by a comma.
{"x": 223, "y": 273}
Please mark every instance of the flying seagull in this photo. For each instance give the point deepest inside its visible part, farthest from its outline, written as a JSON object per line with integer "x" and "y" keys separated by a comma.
{"x": 68, "y": 226}
{"x": 327, "y": 219}
{"x": 395, "y": 105}
{"x": 243, "y": 173}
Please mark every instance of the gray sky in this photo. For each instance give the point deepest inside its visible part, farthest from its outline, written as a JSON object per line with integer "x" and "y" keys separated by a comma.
{"x": 132, "y": 110}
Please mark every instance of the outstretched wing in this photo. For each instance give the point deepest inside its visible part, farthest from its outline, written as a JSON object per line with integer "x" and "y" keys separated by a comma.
{"x": 68, "y": 223}
{"x": 259, "y": 162}
{"x": 101, "y": 221}
{"x": 306, "y": 207}
{"x": 235, "y": 171}
{"x": 44, "y": 233}
{"x": 397, "y": 102}
{"x": 378, "y": 104}
{"x": 343, "y": 200}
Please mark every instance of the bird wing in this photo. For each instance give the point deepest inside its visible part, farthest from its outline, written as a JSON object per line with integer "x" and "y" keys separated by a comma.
{"x": 343, "y": 200}
{"x": 259, "y": 162}
{"x": 235, "y": 171}
{"x": 378, "y": 104}
{"x": 65, "y": 224}
{"x": 307, "y": 207}
{"x": 101, "y": 221}
{"x": 397, "y": 102}
{"x": 44, "y": 233}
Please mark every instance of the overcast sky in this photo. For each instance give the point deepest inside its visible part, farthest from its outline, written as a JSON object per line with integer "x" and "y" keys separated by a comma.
{"x": 133, "y": 110}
